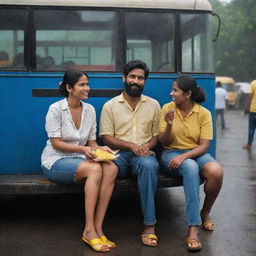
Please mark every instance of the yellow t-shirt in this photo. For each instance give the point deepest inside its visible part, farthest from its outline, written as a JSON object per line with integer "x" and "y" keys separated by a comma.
{"x": 138, "y": 126}
{"x": 252, "y": 90}
{"x": 188, "y": 131}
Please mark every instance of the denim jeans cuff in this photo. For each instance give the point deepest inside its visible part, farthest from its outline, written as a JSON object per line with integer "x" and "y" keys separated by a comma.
{"x": 149, "y": 223}
{"x": 195, "y": 224}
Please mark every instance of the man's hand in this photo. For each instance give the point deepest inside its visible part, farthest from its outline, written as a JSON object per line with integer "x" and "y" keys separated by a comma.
{"x": 142, "y": 150}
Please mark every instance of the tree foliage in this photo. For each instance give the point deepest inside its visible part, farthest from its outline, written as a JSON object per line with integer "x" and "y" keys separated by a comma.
{"x": 235, "y": 49}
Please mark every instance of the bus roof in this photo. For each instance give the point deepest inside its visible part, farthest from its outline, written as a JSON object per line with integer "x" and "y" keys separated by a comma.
{"x": 225, "y": 79}
{"x": 154, "y": 4}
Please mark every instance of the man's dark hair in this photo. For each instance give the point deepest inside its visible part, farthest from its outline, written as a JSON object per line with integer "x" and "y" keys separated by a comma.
{"x": 218, "y": 84}
{"x": 135, "y": 64}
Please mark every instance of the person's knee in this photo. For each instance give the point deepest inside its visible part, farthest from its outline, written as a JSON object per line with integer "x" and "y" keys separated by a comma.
{"x": 190, "y": 168}
{"x": 150, "y": 166}
{"x": 110, "y": 171}
{"x": 213, "y": 171}
{"x": 92, "y": 171}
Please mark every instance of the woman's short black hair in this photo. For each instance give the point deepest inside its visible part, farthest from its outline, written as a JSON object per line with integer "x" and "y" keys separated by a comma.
{"x": 187, "y": 83}
{"x": 71, "y": 76}
{"x": 135, "y": 64}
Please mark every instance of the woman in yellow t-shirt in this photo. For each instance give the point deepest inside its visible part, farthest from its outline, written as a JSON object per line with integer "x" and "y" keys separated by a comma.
{"x": 185, "y": 133}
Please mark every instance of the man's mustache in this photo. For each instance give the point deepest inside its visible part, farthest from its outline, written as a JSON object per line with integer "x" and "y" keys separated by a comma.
{"x": 135, "y": 85}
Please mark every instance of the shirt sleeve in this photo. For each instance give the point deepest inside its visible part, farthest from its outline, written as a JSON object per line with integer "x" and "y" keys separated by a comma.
{"x": 156, "y": 120}
{"x": 106, "y": 120}
{"x": 92, "y": 133}
{"x": 252, "y": 87}
{"x": 53, "y": 122}
{"x": 206, "y": 126}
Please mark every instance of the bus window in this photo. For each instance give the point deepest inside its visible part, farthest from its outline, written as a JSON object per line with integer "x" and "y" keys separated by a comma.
{"x": 70, "y": 38}
{"x": 12, "y": 26}
{"x": 197, "y": 53}
{"x": 146, "y": 42}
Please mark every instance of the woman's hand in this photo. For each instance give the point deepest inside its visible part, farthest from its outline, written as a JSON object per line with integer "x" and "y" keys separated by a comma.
{"x": 169, "y": 117}
{"x": 176, "y": 162}
{"x": 89, "y": 152}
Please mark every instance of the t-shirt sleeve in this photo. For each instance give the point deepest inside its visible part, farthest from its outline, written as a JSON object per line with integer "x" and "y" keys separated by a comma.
{"x": 206, "y": 126}
{"x": 53, "y": 122}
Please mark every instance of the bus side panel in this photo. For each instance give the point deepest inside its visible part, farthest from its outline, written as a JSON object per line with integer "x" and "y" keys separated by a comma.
{"x": 23, "y": 116}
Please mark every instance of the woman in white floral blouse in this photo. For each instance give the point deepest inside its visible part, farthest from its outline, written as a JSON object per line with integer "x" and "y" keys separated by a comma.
{"x": 69, "y": 153}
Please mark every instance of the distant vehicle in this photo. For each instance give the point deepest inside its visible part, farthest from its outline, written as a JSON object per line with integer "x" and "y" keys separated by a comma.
{"x": 232, "y": 88}
{"x": 243, "y": 93}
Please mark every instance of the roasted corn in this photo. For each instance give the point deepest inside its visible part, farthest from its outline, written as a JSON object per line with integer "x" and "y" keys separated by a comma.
{"x": 103, "y": 155}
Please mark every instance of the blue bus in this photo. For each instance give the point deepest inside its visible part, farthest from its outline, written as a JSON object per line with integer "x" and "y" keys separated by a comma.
{"x": 40, "y": 39}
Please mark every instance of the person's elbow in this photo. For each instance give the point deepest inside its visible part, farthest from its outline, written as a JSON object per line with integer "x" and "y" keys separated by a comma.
{"x": 107, "y": 139}
{"x": 163, "y": 140}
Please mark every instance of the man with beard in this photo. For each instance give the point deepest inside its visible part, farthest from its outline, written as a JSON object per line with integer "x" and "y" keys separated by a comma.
{"x": 129, "y": 123}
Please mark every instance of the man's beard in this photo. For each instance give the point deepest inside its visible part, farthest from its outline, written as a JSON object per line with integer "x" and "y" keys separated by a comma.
{"x": 133, "y": 90}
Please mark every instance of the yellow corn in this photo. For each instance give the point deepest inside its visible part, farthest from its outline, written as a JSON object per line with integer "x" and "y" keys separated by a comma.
{"x": 103, "y": 155}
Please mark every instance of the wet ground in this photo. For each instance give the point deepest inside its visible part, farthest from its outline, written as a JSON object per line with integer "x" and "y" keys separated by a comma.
{"x": 52, "y": 225}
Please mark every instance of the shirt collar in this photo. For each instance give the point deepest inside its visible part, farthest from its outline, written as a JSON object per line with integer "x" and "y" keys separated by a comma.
{"x": 64, "y": 105}
{"x": 121, "y": 98}
{"x": 194, "y": 109}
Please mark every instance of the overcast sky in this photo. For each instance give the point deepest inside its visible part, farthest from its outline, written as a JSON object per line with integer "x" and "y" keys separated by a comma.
{"x": 225, "y": 1}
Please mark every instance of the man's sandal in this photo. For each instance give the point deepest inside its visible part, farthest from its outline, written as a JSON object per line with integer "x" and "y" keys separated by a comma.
{"x": 208, "y": 225}
{"x": 149, "y": 239}
{"x": 109, "y": 243}
{"x": 190, "y": 247}
{"x": 97, "y": 244}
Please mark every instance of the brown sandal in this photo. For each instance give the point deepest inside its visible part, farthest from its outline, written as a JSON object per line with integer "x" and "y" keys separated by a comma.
{"x": 208, "y": 225}
{"x": 191, "y": 241}
{"x": 149, "y": 239}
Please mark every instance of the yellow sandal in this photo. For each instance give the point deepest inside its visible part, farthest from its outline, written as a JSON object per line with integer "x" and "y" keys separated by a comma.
{"x": 109, "y": 243}
{"x": 97, "y": 244}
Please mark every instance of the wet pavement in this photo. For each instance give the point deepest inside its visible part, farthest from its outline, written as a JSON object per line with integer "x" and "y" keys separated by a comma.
{"x": 52, "y": 225}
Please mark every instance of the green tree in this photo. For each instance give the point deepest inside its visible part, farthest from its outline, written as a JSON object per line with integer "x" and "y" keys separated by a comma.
{"x": 235, "y": 49}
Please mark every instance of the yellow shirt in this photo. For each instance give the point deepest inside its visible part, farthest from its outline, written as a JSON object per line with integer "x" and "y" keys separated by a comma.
{"x": 187, "y": 132}
{"x": 252, "y": 90}
{"x": 138, "y": 126}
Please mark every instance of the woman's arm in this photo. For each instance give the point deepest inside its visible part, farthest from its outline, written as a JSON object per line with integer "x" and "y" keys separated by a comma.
{"x": 60, "y": 145}
{"x": 165, "y": 137}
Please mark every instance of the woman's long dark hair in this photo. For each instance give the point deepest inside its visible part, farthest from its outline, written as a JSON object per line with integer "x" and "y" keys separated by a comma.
{"x": 187, "y": 83}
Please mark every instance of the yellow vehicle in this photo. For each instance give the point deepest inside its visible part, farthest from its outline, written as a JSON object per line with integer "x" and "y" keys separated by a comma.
{"x": 232, "y": 89}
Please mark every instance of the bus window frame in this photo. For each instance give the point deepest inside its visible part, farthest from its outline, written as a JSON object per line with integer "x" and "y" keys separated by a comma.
{"x": 30, "y": 36}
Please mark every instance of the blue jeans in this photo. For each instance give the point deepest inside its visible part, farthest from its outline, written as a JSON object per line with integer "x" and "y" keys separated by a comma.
{"x": 251, "y": 127}
{"x": 189, "y": 172}
{"x": 146, "y": 170}
{"x": 63, "y": 170}
{"x": 222, "y": 119}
